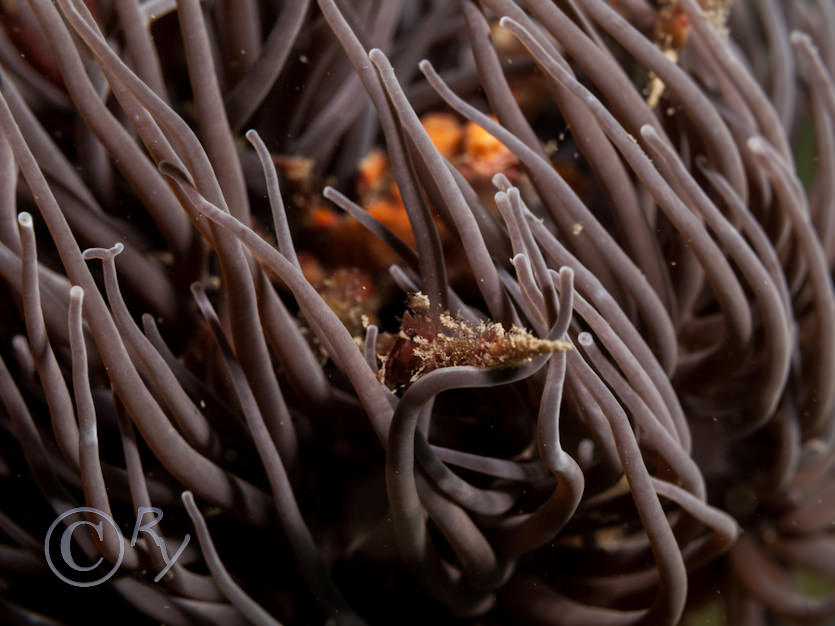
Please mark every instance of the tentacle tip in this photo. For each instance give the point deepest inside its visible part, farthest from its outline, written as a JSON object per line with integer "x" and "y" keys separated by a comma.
{"x": 425, "y": 66}
{"x": 648, "y": 132}
{"x": 520, "y": 257}
{"x": 585, "y": 339}
{"x": 188, "y": 498}
{"x": 501, "y": 182}
{"x": 377, "y": 56}
{"x": 506, "y": 22}
{"x": 799, "y": 37}
{"x": 77, "y": 292}
{"x": 756, "y": 145}
{"x": 24, "y": 219}
{"x": 198, "y": 293}
{"x": 103, "y": 253}
{"x": 175, "y": 173}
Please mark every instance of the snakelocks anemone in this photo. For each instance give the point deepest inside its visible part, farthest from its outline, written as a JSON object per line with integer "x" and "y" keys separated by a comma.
{"x": 417, "y": 312}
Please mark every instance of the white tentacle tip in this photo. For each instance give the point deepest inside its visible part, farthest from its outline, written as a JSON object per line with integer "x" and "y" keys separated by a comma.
{"x": 756, "y": 145}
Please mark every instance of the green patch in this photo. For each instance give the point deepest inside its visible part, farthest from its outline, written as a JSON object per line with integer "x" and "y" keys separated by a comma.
{"x": 805, "y": 152}
{"x": 708, "y": 613}
{"x": 813, "y": 584}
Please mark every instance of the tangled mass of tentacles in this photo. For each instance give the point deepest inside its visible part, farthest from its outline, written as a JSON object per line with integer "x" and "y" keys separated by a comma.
{"x": 417, "y": 311}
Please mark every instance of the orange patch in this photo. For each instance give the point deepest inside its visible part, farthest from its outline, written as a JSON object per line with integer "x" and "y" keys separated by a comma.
{"x": 372, "y": 171}
{"x": 480, "y": 144}
{"x": 393, "y": 215}
{"x": 444, "y": 131}
{"x": 484, "y": 155}
{"x": 673, "y": 27}
{"x": 322, "y": 218}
